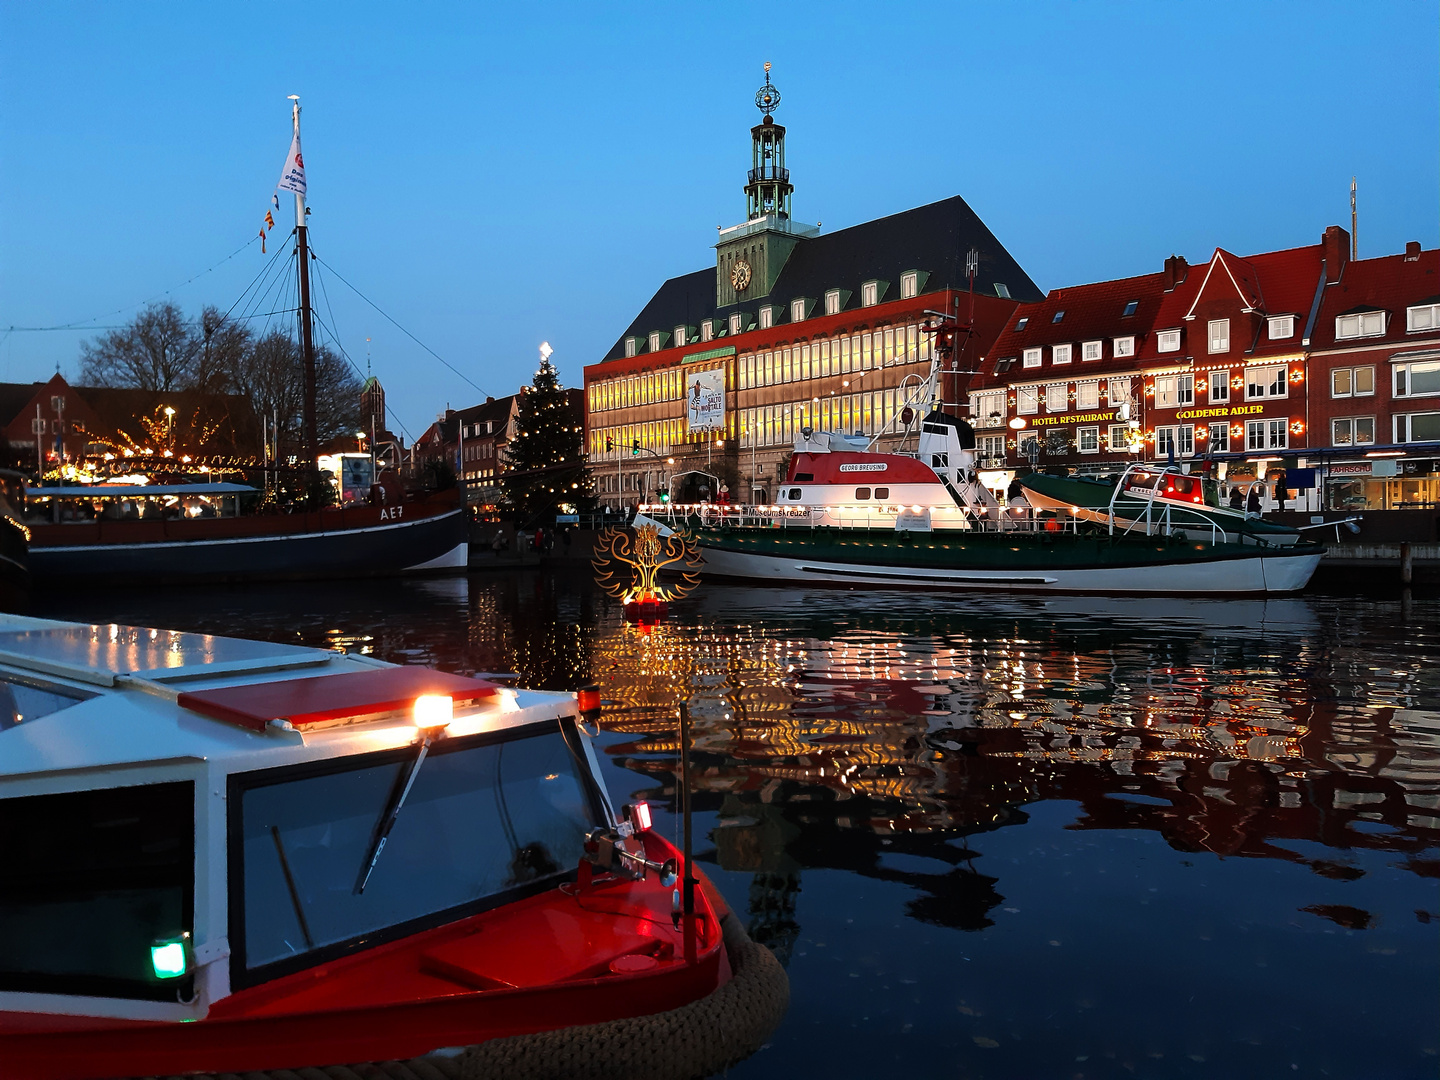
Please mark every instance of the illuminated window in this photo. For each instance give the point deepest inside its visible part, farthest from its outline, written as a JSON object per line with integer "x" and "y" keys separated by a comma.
{"x": 1265, "y": 382}
{"x": 1352, "y": 431}
{"x": 1352, "y": 382}
{"x": 1173, "y": 391}
{"x": 1057, "y": 397}
{"x": 1087, "y": 395}
{"x": 1027, "y": 400}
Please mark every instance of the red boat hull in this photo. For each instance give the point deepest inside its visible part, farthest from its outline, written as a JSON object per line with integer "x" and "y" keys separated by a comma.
{"x": 565, "y": 957}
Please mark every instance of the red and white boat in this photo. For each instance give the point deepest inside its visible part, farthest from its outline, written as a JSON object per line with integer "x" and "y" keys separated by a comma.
{"x": 227, "y": 856}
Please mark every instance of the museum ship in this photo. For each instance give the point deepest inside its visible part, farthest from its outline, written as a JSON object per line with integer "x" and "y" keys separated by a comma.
{"x": 848, "y": 515}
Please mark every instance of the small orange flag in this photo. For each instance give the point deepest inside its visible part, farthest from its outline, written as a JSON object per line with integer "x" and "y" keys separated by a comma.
{"x": 262, "y": 241}
{"x": 269, "y": 221}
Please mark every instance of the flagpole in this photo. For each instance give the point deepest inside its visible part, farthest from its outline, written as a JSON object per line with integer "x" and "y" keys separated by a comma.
{"x": 307, "y": 342}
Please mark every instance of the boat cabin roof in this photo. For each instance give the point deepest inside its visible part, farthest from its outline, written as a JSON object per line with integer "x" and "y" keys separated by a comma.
{"x": 108, "y": 696}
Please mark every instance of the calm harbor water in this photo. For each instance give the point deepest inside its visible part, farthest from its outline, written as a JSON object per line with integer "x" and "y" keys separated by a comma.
{"x": 999, "y": 837}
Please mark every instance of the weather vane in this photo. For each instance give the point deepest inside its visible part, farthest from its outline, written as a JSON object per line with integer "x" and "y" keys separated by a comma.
{"x": 768, "y": 96}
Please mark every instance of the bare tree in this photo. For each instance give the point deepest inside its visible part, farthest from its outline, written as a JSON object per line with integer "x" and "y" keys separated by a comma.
{"x": 155, "y": 352}
{"x": 224, "y": 349}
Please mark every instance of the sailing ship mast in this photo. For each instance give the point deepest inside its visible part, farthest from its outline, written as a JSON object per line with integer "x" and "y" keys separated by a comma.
{"x": 310, "y": 440}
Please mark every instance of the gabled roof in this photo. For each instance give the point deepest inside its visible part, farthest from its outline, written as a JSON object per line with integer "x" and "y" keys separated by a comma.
{"x": 1239, "y": 273}
{"x": 1091, "y": 312}
{"x": 932, "y": 238}
{"x": 1392, "y": 283}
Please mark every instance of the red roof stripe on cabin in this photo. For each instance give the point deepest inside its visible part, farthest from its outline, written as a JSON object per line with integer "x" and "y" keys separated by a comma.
{"x": 827, "y": 469}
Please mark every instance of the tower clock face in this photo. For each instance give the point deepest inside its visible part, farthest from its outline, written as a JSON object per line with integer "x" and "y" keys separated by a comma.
{"x": 740, "y": 275}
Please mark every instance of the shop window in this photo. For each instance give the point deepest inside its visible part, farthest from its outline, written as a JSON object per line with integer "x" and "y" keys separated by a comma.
{"x": 1352, "y": 431}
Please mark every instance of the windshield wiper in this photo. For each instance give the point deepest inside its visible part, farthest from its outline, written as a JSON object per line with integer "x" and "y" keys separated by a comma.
{"x": 382, "y": 833}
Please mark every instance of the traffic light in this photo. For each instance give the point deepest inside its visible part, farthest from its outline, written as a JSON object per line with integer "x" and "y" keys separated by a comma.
{"x": 635, "y": 450}
{"x": 664, "y": 496}
{"x": 609, "y": 445}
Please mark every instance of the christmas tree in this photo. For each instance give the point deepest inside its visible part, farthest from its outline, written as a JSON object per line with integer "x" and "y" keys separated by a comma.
{"x": 545, "y": 460}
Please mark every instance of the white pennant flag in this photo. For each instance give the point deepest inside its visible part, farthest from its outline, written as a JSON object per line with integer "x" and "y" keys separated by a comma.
{"x": 292, "y": 177}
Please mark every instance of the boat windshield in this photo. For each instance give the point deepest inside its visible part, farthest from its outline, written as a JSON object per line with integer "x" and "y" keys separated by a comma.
{"x": 485, "y": 819}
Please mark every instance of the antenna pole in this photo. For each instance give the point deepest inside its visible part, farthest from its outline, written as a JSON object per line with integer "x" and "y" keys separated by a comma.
{"x": 1354, "y": 224}
{"x": 307, "y": 331}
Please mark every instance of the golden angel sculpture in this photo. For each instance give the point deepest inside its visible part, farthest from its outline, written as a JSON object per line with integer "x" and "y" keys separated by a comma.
{"x": 627, "y": 565}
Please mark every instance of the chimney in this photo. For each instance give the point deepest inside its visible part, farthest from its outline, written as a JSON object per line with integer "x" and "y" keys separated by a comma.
{"x": 1176, "y": 270}
{"x": 1412, "y": 251}
{"x": 1336, "y": 245}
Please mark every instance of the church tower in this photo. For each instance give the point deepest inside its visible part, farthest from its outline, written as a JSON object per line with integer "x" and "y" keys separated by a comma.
{"x": 750, "y": 256}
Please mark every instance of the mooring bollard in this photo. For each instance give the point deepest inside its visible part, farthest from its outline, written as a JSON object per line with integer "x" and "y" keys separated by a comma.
{"x": 1406, "y": 564}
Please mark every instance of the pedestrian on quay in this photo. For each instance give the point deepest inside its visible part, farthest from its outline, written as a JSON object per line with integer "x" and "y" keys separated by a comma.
{"x": 1252, "y": 504}
{"x": 1237, "y": 497}
{"x": 539, "y": 542}
{"x": 565, "y": 536}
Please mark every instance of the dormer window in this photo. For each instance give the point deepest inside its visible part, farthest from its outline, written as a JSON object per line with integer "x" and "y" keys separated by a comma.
{"x": 909, "y": 285}
{"x": 657, "y": 340}
{"x": 1092, "y": 350}
{"x": 1060, "y": 354}
{"x": 1167, "y": 341}
{"x": 797, "y": 310}
{"x": 1124, "y": 346}
{"x": 632, "y": 346}
{"x": 1130, "y": 308}
{"x": 1280, "y": 327}
{"x": 1362, "y": 324}
{"x": 737, "y": 323}
{"x": 682, "y": 335}
{"x": 1030, "y": 358}
{"x": 767, "y": 317}
{"x": 1422, "y": 317}
{"x": 869, "y": 294}
{"x": 832, "y": 302}
{"x": 707, "y": 330}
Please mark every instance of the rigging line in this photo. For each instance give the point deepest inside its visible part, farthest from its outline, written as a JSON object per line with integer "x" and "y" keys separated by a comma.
{"x": 77, "y": 324}
{"x": 335, "y": 339}
{"x": 264, "y": 270}
{"x": 397, "y": 326}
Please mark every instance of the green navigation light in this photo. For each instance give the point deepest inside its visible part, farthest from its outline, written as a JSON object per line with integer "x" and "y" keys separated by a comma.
{"x": 168, "y": 959}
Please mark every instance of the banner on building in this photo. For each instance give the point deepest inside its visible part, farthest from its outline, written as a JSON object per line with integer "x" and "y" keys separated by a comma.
{"x": 705, "y": 400}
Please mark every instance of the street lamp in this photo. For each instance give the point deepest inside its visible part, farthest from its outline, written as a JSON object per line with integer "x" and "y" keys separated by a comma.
{"x": 170, "y": 426}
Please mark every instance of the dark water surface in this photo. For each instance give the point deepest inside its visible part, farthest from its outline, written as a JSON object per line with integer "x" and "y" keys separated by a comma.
{"x": 1002, "y": 837}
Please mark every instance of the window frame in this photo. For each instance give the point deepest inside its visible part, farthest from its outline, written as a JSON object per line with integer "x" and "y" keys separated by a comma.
{"x": 1353, "y": 422}
{"x": 1413, "y": 310}
{"x": 1184, "y": 390}
{"x": 1219, "y": 438}
{"x": 1266, "y": 427}
{"x": 1402, "y": 378}
{"x": 1220, "y": 380}
{"x": 1091, "y": 384}
{"x": 1032, "y": 358}
{"x": 909, "y": 285}
{"x": 832, "y": 301}
{"x": 1402, "y": 425}
{"x": 243, "y": 976}
{"x": 1266, "y": 394}
{"x": 1086, "y": 346}
{"x": 1123, "y": 346}
{"x": 869, "y": 293}
{"x": 797, "y": 310}
{"x": 1167, "y": 341}
{"x": 1360, "y": 318}
{"x": 1020, "y": 409}
{"x": 1062, "y": 354}
{"x": 1285, "y": 322}
{"x": 1093, "y": 431}
{"x": 1217, "y": 336}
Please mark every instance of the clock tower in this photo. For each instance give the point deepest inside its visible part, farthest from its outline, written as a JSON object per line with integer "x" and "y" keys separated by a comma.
{"x": 749, "y": 256}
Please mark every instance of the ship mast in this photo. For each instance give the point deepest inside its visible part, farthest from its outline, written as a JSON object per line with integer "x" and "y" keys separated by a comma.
{"x": 310, "y": 440}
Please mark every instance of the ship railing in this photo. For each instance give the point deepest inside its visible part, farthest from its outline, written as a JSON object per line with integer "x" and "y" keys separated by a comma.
{"x": 781, "y": 516}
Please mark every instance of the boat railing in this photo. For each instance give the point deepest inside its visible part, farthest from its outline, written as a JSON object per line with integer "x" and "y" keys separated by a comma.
{"x": 781, "y": 516}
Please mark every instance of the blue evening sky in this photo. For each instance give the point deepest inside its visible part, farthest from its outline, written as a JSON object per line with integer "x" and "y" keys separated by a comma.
{"x": 497, "y": 175}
